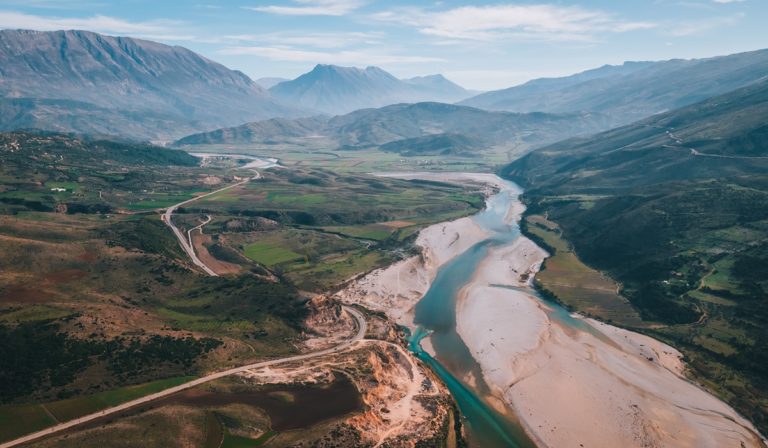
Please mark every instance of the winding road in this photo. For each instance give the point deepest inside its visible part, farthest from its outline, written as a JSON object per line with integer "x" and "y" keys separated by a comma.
{"x": 362, "y": 327}
{"x": 199, "y": 226}
{"x": 696, "y": 152}
{"x": 187, "y": 244}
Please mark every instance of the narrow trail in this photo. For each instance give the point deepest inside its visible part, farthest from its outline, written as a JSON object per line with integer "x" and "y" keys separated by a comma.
{"x": 200, "y": 227}
{"x": 186, "y": 244}
{"x": 696, "y": 152}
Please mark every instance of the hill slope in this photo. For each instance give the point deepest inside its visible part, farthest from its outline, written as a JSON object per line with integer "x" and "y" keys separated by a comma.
{"x": 634, "y": 90}
{"x": 151, "y": 90}
{"x": 675, "y": 207}
{"x": 337, "y": 90}
{"x": 374, "y": 127}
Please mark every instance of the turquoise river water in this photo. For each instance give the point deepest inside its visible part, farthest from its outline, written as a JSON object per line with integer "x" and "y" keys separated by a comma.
{"x": 435, "y": 316}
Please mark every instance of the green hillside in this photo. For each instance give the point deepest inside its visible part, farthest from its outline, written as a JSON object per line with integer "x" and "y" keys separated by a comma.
{"x": 675, "y": 208}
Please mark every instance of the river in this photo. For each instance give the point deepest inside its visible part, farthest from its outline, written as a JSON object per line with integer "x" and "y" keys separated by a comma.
{"x": 435, "y": 316}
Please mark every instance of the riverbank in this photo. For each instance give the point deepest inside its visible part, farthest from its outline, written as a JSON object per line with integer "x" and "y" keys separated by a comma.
{"x": 396, "y": 289}
{"x": 571, "y": 381}
{"x": 579, "y": 382}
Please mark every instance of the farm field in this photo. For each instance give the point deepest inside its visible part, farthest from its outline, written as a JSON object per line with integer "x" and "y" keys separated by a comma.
{"x": 317, "y": 228}
{"x": 360, "y": 160}
{"x": 568, "y": 280}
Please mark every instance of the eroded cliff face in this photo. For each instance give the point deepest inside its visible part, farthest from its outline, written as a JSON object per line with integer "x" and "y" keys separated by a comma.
{"x": 403, "y": 403}
{"x": 326, "y": 325}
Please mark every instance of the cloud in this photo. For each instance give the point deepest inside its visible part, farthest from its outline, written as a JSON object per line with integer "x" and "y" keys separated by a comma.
{"x": 701, "y": 26}
{"x": 308, "y": 39}
{"x": 312, "y": 8}
{"x": 154, "y": 29}
{"x": 727, "y": 1}
{"x": 505, "y": 21}
{"x": 350, "y": 57}
{"x": 57, "y": 4}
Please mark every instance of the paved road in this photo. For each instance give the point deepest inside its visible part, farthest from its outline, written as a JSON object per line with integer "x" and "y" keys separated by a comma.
{"x": 187, "y": 245}
{"x": 361, "y": 329}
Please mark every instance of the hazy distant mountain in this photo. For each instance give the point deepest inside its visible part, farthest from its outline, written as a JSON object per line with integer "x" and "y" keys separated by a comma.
{"x": 150, "y": 90}
{"x": 337, "y": 90}
{"x": 434, "y": 145}
{"x": 270, "y": 82}
{"x": 439, "y": 87}
{"x": 631, "y": 91}
{"x": 468, "y": 128}
{"x": 697, "y": 141}
{"x": 275, "y": 130}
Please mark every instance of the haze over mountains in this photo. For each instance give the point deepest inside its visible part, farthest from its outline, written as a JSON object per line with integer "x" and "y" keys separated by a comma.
{"x": 65, "y": 79}
{"x": 270, "y": 82}
{"x": 83, "y": 82}
{"x": 631, "y": 91}
{"x": 467, "y": 127}
{"x": 722, "y": 136}
{"x": 338, "y": 90}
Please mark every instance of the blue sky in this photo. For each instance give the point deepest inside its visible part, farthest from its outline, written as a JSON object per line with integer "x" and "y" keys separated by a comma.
{"x": 482, "y": 45}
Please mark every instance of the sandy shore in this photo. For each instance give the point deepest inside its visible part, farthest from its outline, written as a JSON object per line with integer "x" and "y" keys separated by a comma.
{"x": 578, "y": 382}
{"x": 396, "y": 289}
{"x": 572, "y": 381}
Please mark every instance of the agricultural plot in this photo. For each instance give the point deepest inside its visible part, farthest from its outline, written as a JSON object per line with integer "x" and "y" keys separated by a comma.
{"x": 575, "y": 284}
{"x": 317, "y": 228}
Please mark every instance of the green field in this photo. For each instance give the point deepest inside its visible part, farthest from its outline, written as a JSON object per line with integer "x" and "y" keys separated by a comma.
{"x": 376, "y": 232}
{"x": 311, "y": 259}
{"x": 270, "y": 254}
{"x": 567, "y": 279}
{"x": 33, "y": 313}
{"x": 18, "y": 420}
{"x": 157, "y": 201}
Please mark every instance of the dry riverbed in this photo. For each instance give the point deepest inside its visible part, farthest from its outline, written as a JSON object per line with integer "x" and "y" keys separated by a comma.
{"x": 569, "y": 380}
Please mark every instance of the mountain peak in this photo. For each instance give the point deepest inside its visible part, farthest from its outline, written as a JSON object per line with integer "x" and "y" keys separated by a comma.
{"x": 174, "y": 88}
{"x": 337, "y": 90}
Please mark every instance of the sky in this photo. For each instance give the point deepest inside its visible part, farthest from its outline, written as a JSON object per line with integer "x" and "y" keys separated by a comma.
{"x": 482, "y": 45}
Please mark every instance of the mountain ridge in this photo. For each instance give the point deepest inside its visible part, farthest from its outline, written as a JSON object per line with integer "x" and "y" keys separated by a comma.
{"x": 130, "y": 77}
{"x": 631, "y": 91}
{"x": 379, "y": 126}
{"x": 337, "y": 90}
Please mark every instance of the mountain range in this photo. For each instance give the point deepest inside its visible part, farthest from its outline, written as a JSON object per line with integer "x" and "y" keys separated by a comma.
{"x": 631, "y": 91}
{"x": 718, "y": 137}
{"x": 467, "y": 126}
{"x": 338, "y": 90}
{"x": 96, "y": 84}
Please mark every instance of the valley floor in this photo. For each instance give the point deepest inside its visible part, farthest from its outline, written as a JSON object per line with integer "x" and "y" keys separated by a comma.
{"x": 567, "y": 378}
